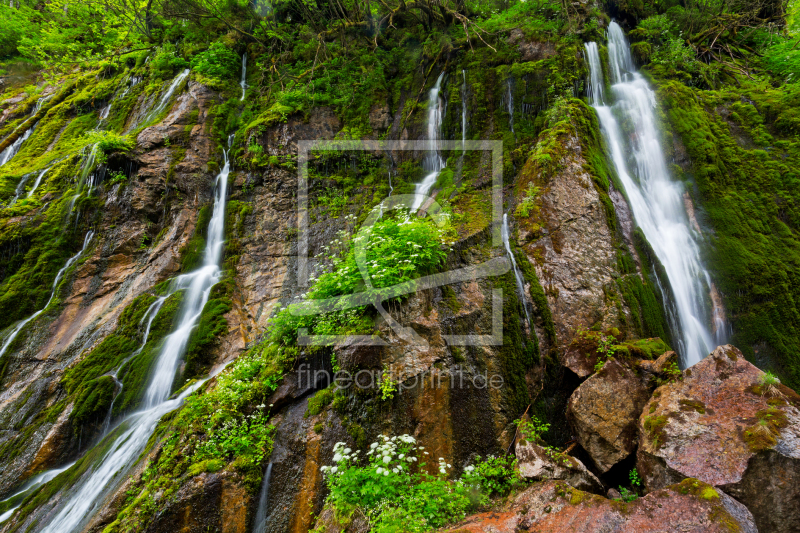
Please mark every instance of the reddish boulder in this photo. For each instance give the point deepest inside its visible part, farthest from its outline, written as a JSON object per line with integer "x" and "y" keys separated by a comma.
{"x": 722, "y": 425}
{"x": 553, "y": 506}
{"x": 604, "y": 410}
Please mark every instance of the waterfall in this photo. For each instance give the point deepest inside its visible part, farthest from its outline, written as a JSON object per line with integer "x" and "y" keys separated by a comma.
{"x": 656, "y": 200}
{"x": 165, "y": 98}
{"x": 243, "y": 82}
{"x": 433, "y": 163}
{"x": 11, "y": 336}
{"x": 86, "y": 168}
{"x": 520, "y": 283}
{"x": 12, "y": 150}
{"x": 34, "y": 482}
{"x": 79, "y": 508}
{"x": 149, "y": 315}
{"x": 463, "y": 112}
{"x": 19, "y": 189}
{"x": 38, "y": 181}
{"x": 263, "y": 499}
{"x": 198, "y": 285}
{"x": 510, "y": 102}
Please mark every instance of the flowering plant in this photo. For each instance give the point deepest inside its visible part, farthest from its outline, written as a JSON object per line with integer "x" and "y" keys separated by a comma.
{"x": 391, "y": 487}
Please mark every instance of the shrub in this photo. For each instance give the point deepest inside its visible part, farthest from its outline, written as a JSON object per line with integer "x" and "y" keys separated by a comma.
{"x": 109, "y": 141}
{"x": 218, "y": 61}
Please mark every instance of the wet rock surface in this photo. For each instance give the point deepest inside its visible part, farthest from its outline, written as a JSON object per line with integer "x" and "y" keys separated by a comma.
{"x": 722, "y": 425}
{"x": 552, "y": 506}
{"x": 604, "y": 410}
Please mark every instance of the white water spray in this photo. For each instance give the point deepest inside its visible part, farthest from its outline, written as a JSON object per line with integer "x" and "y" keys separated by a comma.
{"x": 80, "y": 507}
{"x": 510, "y": 102}
{"x": 433, "y": 163}
{"x": 11, "y": 336}
{"x": 656, "y": 200}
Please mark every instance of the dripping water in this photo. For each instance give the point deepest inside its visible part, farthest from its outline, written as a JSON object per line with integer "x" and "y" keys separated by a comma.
{"x": 656, "y": 199}
{"x": 510, "y": 102}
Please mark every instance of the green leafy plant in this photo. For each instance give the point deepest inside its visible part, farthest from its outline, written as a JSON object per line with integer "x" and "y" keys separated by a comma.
{"x": 528, "y": 203}
{"x": 631, "y": 494}
{"x": 219, "y": 61}
{"x": 109, "y": 141}
{"x": 532, "y": 428}
{"x": 388, "y": 386}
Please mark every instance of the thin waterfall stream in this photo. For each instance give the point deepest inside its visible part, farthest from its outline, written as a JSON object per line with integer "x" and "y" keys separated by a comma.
{"x": 14, "y": 332}
{"x": 433, "y": 162}
{"x": 656, "y": 199}
{"x": 520, "y": 282}
{"x": 243, "y": 81}
{"x": 263, "y": 501}
{"x": 87, "y": 498}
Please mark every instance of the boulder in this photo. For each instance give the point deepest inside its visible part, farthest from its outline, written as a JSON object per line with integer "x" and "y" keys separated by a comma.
{"x": 603, "y": 412}
{"x": 536, "y": 463}
{"x": 662, "y": 368}
{"x": 553, "y": 506}
{"x": 721, "y": 425}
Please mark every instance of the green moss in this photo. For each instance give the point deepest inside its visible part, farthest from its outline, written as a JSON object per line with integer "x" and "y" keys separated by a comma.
{"x": 763, "y": 435}
{"x": 752, "y": 200}
{"x": 654, "y": 426}
{"x": 358, "y": 435}
{"x": 319, "y": 401}
{"x": 209, "y": 465}
{"x": 93, "y": 402}
{"x": 697, "y": 488}
{"x": 693, "y": 405}
{"x": 192, "y": 251}
{"x": 210, "y": 327}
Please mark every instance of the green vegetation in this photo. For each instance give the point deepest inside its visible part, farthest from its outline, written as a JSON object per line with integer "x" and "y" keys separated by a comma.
{"x": 390, "y": 485}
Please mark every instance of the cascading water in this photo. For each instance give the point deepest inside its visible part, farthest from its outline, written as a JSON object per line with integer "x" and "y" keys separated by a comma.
{"x": 19, "y": 189}
{"x": 38, "y": 181}
{"x": 86, "y": 168}
{"x": 78, "y": 509}
{"x": 520, "y": 283}
{"x": 510, "y": 102}
{"x": 12, "y": 150}
{"x": 433, "y": 163}
{"x": 30, "y": 485}
{"x": 11, "y": 336}
{"x": 263, "y": 500}
{"x": 463, "y": 111}
{"x": 243, "y": 81}
{"x": 149, "y": 315}
{"x": 165, "y": 98}
{"x": 656, "y": 200}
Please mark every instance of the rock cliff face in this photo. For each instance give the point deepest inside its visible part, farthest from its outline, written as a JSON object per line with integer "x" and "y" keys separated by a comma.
{"x": 579, "y": 278}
